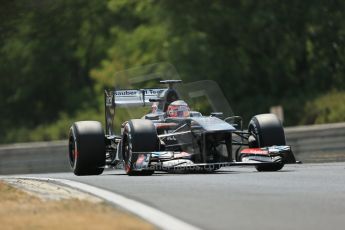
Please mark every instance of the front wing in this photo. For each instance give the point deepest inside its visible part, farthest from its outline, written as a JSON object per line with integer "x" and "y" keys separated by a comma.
{"x": 181, "y": 161}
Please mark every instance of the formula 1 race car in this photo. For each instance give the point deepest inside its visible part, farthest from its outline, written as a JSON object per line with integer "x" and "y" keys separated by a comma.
{"x": 173, "y": 138}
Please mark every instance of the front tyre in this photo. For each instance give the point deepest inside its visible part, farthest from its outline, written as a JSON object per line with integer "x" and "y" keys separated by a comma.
{"x": 266, "y": 130}
{"x": 139, "y": 136}
{"x": 86, "y": 148}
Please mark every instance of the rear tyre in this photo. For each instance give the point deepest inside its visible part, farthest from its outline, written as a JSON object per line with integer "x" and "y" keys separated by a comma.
{"x": 87, "y": 148}
{"x": 266, "y": 130}
{"x": 139, "y": 136}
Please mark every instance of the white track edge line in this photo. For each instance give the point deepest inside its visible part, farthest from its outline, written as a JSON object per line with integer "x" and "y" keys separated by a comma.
{"x": 150, "y": 214}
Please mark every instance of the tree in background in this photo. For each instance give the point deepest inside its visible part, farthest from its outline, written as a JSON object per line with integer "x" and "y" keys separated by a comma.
{"x": 262, "y": 53}
{"x": 47, "y": 50}
{"x": 57, "y": 56}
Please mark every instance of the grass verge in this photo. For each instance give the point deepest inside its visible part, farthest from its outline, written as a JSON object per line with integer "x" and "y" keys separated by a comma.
{"x": 20, "y": 210}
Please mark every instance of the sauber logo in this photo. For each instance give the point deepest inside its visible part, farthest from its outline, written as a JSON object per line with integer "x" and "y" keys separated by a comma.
{"x": 147, "y": 92}
{"x": 126, "y": 93}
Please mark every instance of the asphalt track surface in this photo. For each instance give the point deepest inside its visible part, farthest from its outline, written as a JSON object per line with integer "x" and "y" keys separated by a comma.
{"x": 307, "y": 196}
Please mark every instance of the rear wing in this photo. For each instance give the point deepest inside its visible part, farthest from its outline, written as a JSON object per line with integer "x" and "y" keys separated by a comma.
{"x": 133, "y": 97}
{"x": 127, "y": 98}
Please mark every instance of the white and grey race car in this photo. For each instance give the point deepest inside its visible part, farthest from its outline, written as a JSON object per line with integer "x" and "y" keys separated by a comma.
{"x": 158, "y": 142}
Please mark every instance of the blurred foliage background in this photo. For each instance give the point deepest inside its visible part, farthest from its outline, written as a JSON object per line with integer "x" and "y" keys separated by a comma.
{"x": 57, "y": 56}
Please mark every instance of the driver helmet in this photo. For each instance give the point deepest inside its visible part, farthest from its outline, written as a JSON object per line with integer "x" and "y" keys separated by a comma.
{"x": 178, "y": 108}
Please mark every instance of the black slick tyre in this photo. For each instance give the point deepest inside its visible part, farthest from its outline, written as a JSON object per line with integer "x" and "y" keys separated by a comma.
{"x": 86, "y": 148}
{"x": 268, "y": 131}
{"x": 139, "y": 136}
